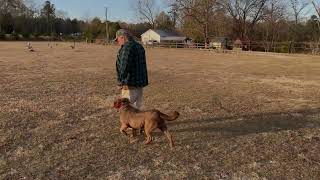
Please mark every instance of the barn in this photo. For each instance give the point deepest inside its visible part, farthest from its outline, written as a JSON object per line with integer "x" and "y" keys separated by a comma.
{"x": 159, "y": 36}
{"x": 220, "y": 43}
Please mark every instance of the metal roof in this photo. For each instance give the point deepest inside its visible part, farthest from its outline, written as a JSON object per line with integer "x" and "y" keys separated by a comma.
{"x": 167, "y": 33}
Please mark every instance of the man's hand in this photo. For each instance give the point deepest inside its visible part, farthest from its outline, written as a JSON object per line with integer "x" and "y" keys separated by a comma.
{"x": 123, "y": 87}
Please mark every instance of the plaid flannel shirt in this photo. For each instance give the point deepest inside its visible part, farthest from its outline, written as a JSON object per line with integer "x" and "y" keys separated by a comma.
{"x": 131, "y": 65}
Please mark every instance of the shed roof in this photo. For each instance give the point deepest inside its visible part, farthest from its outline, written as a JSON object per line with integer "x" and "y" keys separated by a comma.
{"x": 219, "y": 39}
{"x": 168, "y": 33}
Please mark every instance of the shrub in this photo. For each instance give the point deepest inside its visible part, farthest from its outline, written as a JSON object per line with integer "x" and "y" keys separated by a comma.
{"x": 14, "y": 36}
{"x": 2, "y": 35}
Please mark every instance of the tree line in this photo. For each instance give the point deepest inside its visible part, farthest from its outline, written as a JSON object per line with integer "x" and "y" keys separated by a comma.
{"x": 18, "y": 18}
{"x": 247, "y": 20}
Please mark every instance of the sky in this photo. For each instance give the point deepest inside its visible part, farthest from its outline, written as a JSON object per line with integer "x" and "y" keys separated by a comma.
{"x": 118, "y": 10}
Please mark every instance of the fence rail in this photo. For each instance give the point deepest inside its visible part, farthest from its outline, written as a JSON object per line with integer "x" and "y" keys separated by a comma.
{"x": 246, "y": 46}
{"x": 275, "y": 47}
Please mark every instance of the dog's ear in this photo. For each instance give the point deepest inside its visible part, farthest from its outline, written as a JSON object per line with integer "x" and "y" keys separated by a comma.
{"x": 117, "y": 103}
{"x": 114, "y": 104}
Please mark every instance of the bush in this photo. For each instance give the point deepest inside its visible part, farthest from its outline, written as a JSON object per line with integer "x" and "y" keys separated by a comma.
{"x": 2, "y": 35}
{"x": 14, "y": 36}
{"x": 26, "y": 35}
{"x": 283, "y": 48}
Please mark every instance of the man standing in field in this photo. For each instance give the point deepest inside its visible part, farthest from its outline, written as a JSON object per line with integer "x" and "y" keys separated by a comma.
{"x": 131, "y": 68}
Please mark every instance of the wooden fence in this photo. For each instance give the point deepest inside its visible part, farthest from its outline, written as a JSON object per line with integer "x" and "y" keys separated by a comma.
{"x": 249, "y": 46}
{"x": 275, "y": 47}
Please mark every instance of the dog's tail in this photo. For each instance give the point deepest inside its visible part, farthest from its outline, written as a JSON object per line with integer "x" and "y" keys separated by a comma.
{"x": 172, "y": 117}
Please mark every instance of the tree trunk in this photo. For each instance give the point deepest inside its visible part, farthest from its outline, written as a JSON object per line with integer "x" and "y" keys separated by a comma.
{"x": 206, "y": 35}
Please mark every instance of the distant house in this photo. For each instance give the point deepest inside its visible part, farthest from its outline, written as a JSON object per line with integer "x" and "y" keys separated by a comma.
{"x": 237, "y": 43}
{"x": 158, "y": 36}
{"x": 220, "y": 43}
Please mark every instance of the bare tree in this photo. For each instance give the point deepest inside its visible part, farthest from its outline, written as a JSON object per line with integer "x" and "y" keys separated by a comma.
{"x": 297, "y": 7}
{"x": 199, "y": 12}
{"x": 272, "y": 16}
{"x": 173, "y": 10}
{"x": 316, "y": 7}
{"x": 174, "y": 13}
{"x": 164, "y": 21}
{"x": 147, "y": 11}
{"x": 31, "y": 5}
{"x": 245, "y": 13}
{"x": 14, "y": 7}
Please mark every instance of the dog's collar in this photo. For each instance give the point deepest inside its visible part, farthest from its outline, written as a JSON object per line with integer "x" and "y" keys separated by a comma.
{"x": 123, "y": 107}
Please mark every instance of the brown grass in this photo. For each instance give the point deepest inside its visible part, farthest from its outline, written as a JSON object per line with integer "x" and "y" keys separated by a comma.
{"x": 243, "y": 116}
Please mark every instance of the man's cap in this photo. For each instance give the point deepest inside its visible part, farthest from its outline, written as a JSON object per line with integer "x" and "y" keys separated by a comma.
{"x": 122, "y": 32}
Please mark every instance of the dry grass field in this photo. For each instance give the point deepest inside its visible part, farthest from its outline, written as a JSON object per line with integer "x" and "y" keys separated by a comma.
{"x": 242, "y": 116}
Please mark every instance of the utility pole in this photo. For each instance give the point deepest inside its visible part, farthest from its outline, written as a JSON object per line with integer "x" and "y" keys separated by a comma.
{"x": 107, "y": 25}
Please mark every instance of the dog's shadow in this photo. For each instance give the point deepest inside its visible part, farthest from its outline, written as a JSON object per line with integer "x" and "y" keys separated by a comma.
{"x": 248, "y": 124}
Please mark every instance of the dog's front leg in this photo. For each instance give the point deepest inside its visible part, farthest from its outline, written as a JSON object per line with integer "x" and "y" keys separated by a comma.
{"x": 133, "y": 137}
{"x": 123, "y": 129}
{"x": 134, "y": 133}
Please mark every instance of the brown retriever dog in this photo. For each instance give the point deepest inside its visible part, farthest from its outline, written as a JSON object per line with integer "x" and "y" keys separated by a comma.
{"x": 150, "y": 120}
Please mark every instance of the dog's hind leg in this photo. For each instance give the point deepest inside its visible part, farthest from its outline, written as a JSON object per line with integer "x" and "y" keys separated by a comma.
{"x": 134, "y": 133}
{"x": 169, "y": 136}
{"x": 149, "y": 137}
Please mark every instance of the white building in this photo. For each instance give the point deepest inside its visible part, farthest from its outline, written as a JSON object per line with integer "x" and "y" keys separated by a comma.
{"x": 220, "y": 43}
{"x": 159, "y": 36}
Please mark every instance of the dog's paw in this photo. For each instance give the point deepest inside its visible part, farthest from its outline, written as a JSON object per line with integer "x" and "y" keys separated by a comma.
{"x": 133, "y": 140}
